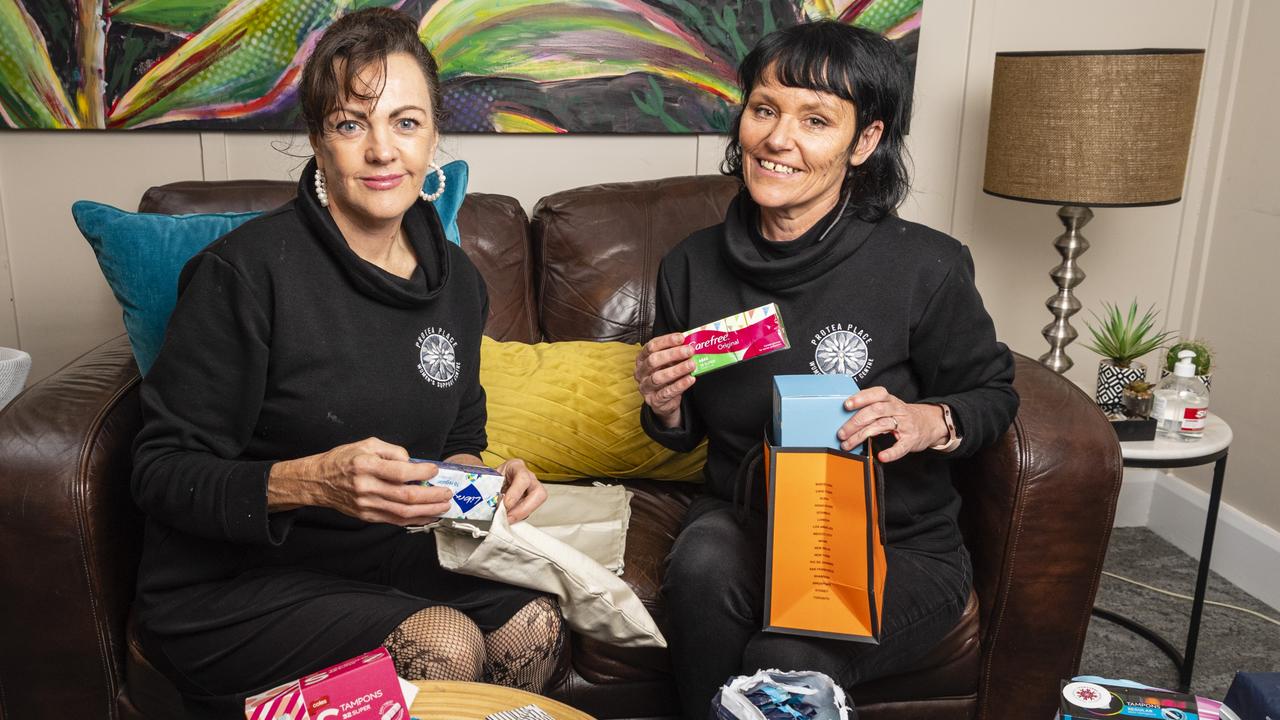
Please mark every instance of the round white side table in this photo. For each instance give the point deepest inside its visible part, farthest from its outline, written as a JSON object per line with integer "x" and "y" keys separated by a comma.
{"x": 1166, "y": 453}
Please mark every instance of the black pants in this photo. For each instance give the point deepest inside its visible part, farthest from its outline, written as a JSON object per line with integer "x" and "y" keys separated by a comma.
{"x": 714, "y": 596}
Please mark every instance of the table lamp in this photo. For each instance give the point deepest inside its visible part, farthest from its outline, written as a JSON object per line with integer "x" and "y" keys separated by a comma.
{"x": 1092, "y": 128}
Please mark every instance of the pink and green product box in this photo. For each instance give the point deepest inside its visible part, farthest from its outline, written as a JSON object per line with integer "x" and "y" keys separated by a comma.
{"x": 736, "y": 338}
{"x": 364, "y": 688}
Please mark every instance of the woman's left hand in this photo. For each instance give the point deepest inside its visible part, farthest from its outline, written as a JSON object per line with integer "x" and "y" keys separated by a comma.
{"x": 521, "y": 492}
{"x": 917, "y": 427}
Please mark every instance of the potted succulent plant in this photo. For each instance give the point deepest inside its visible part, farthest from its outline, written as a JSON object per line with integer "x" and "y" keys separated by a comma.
{"x": 1137, "y": 399}
{"x": 1203, "y": 359}
{"x": 1121, "y": 338}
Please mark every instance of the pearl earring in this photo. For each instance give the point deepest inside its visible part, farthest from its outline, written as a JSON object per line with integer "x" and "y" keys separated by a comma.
{"x": 432, "y": 197}
{"x": 321, "y": 193}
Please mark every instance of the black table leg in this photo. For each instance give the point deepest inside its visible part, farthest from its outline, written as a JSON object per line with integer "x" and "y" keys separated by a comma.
{"x": 1202, "y": 576}
{"x": 1138, "y": 628}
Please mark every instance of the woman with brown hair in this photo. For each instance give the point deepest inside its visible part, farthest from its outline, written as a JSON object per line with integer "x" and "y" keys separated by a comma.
{"x": 312, "y": 353}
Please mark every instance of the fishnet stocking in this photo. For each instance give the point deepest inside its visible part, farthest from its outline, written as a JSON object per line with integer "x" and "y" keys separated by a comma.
{"x": 438, "y": 643}
{"x": 523, "y": 652}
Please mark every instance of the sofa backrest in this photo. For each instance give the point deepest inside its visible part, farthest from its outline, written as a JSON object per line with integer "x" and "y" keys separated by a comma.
{"x": 494, "y": 230}
{"x": 598, "y": 250}
{"x": 584, "y": 269}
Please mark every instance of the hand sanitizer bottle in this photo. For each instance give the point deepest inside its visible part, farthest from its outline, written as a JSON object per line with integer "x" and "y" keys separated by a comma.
{"x": 1181, "y": 402}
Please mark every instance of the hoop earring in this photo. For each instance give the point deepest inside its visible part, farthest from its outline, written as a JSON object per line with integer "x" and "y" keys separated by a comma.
{"x": 432, "y": 197}
{"x": 322, "y": 194}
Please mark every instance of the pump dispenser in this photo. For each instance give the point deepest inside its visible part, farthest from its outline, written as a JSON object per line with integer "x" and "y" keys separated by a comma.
{"x": 1181, "y": 401}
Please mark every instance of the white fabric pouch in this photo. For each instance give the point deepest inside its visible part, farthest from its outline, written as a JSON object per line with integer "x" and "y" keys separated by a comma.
{"x": 593, "y": 520}
{"x": 594, "y": 600}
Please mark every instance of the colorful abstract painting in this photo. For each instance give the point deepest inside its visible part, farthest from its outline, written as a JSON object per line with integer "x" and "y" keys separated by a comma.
{"x": 522, "y": 66}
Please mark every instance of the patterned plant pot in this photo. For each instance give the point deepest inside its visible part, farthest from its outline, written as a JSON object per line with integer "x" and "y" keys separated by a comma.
{"x": 1112, "y": 379}
{"x": 1206, "y": 378}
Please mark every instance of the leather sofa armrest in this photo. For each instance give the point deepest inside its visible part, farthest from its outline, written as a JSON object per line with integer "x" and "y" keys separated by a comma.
{"x": 1038, "y": 508}
{"x": 69, "y": 537}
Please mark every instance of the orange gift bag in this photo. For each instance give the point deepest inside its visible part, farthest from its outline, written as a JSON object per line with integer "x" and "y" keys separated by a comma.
{"x": 825, "y": 564}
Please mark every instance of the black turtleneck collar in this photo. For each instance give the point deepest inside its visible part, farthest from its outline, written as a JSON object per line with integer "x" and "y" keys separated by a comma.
{"x": 782, "y": 265}
{"x": 777, "y": 249}
{"x": 422, "y": 228}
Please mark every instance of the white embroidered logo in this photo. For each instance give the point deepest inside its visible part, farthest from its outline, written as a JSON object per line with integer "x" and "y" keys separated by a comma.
{"x": 438, "y": 357}
{"x": 841, "y": 350}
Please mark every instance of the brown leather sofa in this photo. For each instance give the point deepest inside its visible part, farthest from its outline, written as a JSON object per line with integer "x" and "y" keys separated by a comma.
{"x": 1037, "y": 506}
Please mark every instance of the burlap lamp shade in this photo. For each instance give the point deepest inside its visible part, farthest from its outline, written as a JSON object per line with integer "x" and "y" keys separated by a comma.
{"x": 1103, "y": 129}
{"x": 1081, "y": 129}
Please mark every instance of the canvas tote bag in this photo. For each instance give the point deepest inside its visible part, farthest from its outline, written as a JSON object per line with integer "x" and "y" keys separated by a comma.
{"x": 593, "y": 520}
{"x": 595, "y": 602}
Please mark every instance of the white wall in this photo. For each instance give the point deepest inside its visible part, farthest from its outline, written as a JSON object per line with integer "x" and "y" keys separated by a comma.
{"x": 8, "y": 318}
{"x": 1202, "y": 261}
{"x": 1234, "y": 288}
{"x": 1133, "y": 249}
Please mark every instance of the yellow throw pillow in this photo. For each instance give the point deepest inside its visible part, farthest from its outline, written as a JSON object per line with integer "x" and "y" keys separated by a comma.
{"x": 571, "y": 410}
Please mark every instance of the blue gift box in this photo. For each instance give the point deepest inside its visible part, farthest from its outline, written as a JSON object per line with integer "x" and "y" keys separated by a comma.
{"x": 808, "y": 409}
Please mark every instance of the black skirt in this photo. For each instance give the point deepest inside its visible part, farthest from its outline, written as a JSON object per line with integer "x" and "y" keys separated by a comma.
{"x": 222, "y": 642}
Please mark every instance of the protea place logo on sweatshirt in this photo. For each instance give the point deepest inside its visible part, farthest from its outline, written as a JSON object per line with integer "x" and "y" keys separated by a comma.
{"x": 438, "y": 357}
{"x": 841, "y": 349}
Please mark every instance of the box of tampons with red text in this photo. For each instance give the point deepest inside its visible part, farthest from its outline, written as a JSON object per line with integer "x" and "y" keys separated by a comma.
{"x": 362, "y": 688}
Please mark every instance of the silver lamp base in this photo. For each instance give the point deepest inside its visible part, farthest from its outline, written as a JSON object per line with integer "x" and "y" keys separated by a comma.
{"x": 1063, "y": 304}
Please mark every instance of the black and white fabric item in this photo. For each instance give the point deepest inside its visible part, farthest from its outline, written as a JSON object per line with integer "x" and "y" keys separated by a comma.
{"x": 528, "y": 712}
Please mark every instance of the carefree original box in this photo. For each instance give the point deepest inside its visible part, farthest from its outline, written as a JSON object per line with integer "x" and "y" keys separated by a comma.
{"x": 364, "y": 687}
{"x": 476, "y": 490}
{"x": 736, "y": 338}
{"x": 809, "y": 409}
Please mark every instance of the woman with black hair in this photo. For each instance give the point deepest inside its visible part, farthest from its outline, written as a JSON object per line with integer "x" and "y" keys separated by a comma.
{"x": 818, "y": 144}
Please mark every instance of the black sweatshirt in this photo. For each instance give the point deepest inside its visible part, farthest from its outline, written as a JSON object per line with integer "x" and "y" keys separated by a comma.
{"x": 285, "y": 343}
{"x": 891, "y": 303}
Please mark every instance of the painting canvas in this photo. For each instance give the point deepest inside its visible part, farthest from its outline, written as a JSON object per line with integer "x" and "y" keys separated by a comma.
{"x": 523, "y": 66}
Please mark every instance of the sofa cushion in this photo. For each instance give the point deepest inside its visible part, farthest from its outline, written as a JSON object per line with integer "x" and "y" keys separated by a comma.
{"x": 599, "y": 247}
{"x": 657, "y": 513}
{"x": 141, "y": 256}
{"x": 571, "y": 410}
{"x": 495, "y": 235}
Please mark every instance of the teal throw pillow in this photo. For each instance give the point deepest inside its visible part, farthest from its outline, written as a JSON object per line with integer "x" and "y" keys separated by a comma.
{"x": 456, "y": 175}
{"x": 142, "y": 254}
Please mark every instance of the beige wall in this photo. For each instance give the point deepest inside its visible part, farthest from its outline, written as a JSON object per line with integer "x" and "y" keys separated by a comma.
{"x": 62, "y": 305}
{"x": 8, "y": 319}
{"x": 1132, "y": 250}
{"x": 1183, "y": 257}
{"x": 1236, "y": 311}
